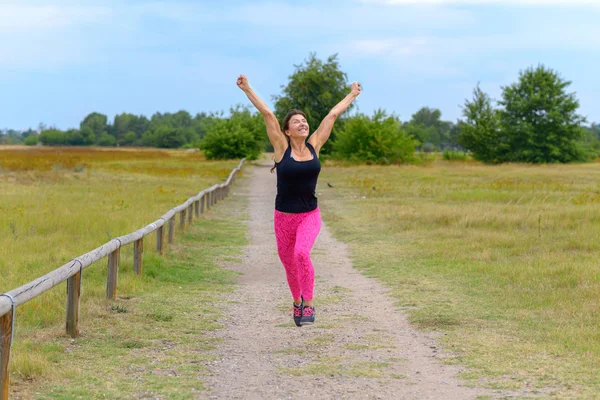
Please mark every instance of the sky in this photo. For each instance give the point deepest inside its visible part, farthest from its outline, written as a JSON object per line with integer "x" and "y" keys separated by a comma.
{"x": 62, "y": 59}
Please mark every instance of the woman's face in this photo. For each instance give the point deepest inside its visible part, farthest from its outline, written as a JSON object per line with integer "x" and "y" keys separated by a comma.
{"x": 297, "y": 127}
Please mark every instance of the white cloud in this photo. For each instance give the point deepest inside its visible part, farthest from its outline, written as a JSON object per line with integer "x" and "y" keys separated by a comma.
{"x": 575, "y": 37}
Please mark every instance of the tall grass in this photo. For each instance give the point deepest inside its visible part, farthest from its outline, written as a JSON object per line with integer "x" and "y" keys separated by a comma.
{"x": 62, "y": 202}
{"x": 503, "y": 259}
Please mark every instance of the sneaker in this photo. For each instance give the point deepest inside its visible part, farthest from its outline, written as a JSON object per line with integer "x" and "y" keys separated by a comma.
{"x": 298, "y": 313}
{"x": 308, "y": 315}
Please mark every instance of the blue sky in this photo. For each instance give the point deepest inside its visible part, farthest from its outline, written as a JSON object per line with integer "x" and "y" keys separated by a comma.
{"x": 61, "y": 59}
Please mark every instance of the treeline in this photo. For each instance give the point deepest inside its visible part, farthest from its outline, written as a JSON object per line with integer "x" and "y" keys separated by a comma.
{"x": 181, "y": 129}
{"x": 163, "y": 130}
{"x": 535, "y": 121}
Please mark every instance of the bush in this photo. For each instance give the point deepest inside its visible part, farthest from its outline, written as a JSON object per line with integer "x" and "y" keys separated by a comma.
{"x": 129, "y": 139}
{"x": 106, "y": 140}
{"x": 588, "y": 146}
{"x": 53, "y": 137}
{"x": 227, "y": 139}
{"x": 31, "y": 140}
{"x": 378, "y": 140}
{"x": 169, "y": 138}
{"x": 455, "y": 155}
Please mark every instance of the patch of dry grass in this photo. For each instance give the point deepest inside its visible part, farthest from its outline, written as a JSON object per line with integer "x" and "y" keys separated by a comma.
{"x": 58, "y": 203}
{"x": 504, "y": 259}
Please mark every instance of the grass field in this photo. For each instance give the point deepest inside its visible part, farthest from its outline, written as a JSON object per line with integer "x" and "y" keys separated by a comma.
{"x": 503, "y": 260}
{"x": 59, "y": 203}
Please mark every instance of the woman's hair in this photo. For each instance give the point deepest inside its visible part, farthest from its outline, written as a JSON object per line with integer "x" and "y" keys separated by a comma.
{"x": 289, "y": 115}
{"x": 286, "y": 124}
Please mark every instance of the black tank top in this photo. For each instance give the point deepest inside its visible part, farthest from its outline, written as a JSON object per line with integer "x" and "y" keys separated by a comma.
{"x": 296, "y": 182}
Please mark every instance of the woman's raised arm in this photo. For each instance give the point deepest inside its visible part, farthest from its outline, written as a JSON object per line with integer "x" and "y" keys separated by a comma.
{"x": 277, "y": 138}
{"x": 320, "y": 136}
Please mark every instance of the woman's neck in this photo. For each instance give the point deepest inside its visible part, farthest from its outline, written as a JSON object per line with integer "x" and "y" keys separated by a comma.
{"x": 298, "y": 145}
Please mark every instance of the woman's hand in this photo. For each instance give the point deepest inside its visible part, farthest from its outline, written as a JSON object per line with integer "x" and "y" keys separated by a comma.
{"x": 355, "y": 89}
{"x": 242, "y": 82}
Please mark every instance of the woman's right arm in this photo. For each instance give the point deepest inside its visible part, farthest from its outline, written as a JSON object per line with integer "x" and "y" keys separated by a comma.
{"x": 277, "y": 138}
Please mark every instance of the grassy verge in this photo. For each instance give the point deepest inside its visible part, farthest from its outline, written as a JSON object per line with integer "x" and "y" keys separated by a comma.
{"x": 151, "y": 344}
{"x": 58, "y": 203}
{"x": 502, "y": 260}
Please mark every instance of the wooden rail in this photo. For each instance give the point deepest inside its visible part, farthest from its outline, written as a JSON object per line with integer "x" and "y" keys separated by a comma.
{"x": 72, "y": 271}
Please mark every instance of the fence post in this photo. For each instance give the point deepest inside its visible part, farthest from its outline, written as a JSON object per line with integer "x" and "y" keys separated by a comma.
{"x": 208, "y": 200}
{"x": 182, "y": 218}
{"x": 197, "y": 208}
{"x": 113, "y": 272}
{"x": 6, "y": 334}
{"x": 171, "y": 228}
{"x": 202, "y": 203}
{"x": 138, "y": 253}
{"x": 73, "y": 301}
{"x": 160, "y": 240}
{"x": 190, "y": 213}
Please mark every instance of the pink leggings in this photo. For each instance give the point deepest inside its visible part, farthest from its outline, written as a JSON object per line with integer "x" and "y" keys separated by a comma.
{"x": 296, "y": 234}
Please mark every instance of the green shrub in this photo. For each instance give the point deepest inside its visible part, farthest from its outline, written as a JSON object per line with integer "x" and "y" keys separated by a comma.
{"x": 53, "y": 137}
{"x": 227, "y": 139}
{"x": 455, "y": 155}
{"x": 31, "y": 140}
{"x": 377, "y": 140}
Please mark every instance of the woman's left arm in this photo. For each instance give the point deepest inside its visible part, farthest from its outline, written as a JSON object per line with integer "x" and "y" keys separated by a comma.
{"x": 320, "y": 136}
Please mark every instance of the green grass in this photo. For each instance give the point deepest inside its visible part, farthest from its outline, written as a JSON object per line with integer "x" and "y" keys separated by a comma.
{"x": 503, "y": 259}
{"x": 158, "y": 348}
{"x": 49, "y": 216}
{"x": 53, "y": 214}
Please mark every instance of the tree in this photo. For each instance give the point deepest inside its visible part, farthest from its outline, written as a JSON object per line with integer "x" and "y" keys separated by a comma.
{"x": 595, "y": 130}
{"x": 378, "y": 140}
{"x": 169, "y": 137}
{"x": 182, "y": 119}
{"x": 74, "y": 137}
{"x": 97, "y": 124}
{"x": 27, "y": 133}
{"x": 315, "y": 88}
{"x": 201, "y": 120}
{"x": 252, "y": 122}
{"x": 31, "y": 140}
{"x": 427, "y": 126}
{"x": 480, "y": 131}
{"x": 142, "y": 124}
{"x": 53, "y": 137}
{"x": 589, "y": 144}
{"x": 540, "y": 119}
{"x": 88, "y": 135}
{"x": 122, "y": 124}
{"x": 106, "y": 140}
{"x": 129, "y": 139}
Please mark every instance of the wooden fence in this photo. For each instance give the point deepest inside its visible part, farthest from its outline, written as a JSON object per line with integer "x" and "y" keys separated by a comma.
{"x": 72, "y": 271}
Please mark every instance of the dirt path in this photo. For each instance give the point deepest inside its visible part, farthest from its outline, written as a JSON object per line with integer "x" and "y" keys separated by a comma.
{"x": 360, "y": 346}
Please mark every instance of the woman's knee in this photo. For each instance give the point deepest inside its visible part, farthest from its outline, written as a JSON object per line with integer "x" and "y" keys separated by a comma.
{"x": 302, "y": 256}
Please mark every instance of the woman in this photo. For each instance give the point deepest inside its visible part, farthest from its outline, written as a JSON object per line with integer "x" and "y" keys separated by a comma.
{"x": 297, "y": 218}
